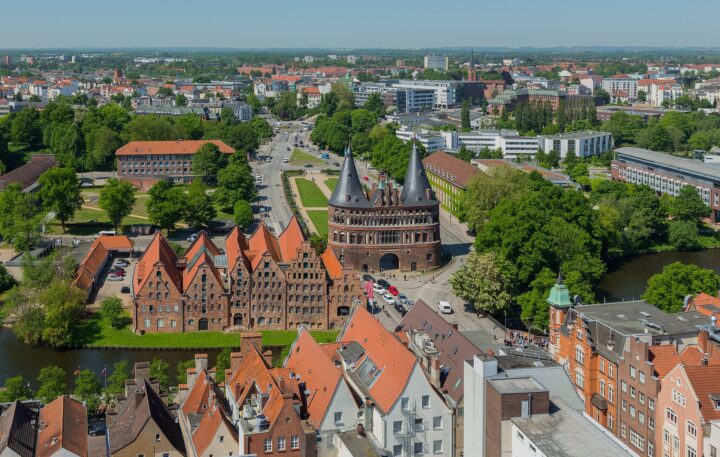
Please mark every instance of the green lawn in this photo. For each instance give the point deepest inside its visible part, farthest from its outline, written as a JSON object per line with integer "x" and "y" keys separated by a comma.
{"x": 300, "y": 157}
{"x": 87, "y": 222}
{"x": 319, "y": 218}
{"x": 310, "y": 194}
{"x": 96, "y": 333}
{"x": 331, "y": 183}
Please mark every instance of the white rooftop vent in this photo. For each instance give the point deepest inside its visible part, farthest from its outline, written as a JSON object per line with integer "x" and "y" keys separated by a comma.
{"x": 645, "y": 313}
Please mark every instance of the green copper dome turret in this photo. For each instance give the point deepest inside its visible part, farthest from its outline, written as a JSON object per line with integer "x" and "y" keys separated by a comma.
{"x": 559, "y": 294}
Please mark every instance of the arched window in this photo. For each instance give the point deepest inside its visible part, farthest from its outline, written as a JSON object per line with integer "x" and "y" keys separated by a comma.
{"x": 342, "y": 237}
{"x": 261, "y": 321}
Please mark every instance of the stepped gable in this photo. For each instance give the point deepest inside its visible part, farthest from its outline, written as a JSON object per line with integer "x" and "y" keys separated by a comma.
{"x": 349, "y": 191}
{"x": 235, "y": 246}
{"x": 158, "y": 251}
{"x": 290, "y": 240}
{"x": 332, "y": 264}
{"x": 416, "y": 190}
{"x": 260, "y": 242}
{"x": 202, "y": 251}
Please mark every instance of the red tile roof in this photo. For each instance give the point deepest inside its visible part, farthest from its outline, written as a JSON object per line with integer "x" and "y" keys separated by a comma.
{"x": 705, "y": 381}
{"x": 207, "y": 429}
{"x": 200, "y": 253}
{"x": 332, "y": 264}
{"x": 262, "y": 241}
{"x": 665, "y": 357}
{"x": 308, "y": 359}
{"x": 63, "y": 425}
{"x": 450, "y": 168}
{"x": 394, "y": 360}
{"x": 158, "y": 251}
{"x": 170, "y": 147}
{"x": 290, "y": 240}
{"x": 704, "y": 304}
{"x": 235, "y": 245}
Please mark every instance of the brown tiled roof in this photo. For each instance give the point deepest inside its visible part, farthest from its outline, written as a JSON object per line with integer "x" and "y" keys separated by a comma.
{"x": 62, "y": 425}
{"x": 170, "y": 147}
{"x": 201, "y": 252}
{"x": 143, "y": 405}
{"x": 211, "y": 421}
{"x": 308, "y": 360}
{"x": 452, "y": 346}
{"x": 665, "y": 357}
{"x": 705, "y": 304}
{"x": 235, "y": 245}
{"x": 332, "y": 264}
{"x": 262, "y": 241}
{"x": 17, "y": 431}
{"x": 450, "y": 168}
{"x": 290, "y": 240}
{"x": 27, "y": 174}
{"x": 394, "y": 360}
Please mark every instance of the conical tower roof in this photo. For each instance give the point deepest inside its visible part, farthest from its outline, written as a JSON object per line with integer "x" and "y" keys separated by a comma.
{"x": 414, "y": 191}
{"x": 349, "y": 191}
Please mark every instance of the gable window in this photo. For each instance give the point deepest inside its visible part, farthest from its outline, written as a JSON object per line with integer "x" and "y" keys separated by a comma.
{"x": 338, "y": 417}
{"x": 268, "y": 444}
{"x": 426, "y": 401}
{"x": 294, "y": 442}
{"x": 281, "y": 443}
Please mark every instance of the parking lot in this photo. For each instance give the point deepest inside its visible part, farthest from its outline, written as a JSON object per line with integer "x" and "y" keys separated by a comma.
{"x": 113, "y": 288}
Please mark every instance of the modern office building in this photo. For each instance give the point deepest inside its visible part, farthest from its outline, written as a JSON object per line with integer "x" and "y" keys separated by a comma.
{"x": 583, "y": 144}
{"x": 436, "y": 62}
{"x": 447, "y": 93}
{"x": 667, "y": 174}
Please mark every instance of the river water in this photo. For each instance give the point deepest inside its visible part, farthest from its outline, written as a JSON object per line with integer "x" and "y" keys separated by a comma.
{"x": 626, "y": 279}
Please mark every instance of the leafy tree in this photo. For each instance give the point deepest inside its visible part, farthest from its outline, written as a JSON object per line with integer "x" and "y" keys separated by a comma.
{"x": 87, "y": 389}
{"x": 465, "y": 115}
{"x": 60, "y": 192}
{"x": 52, "y": 383}
{"x": 64, "y": 305}
{"x": 166, "y": 205}
{"x": 112, "y": 311}
{"x": 668, "y": 289}
{"x": 235, "y": 182}
{"x": 243, "y": 214}
{"x": 375, "y": 104}
{"x": 465, "y": 154}
{"x": 485, "y": 281}
{"x": 160, "y": 370}
{"x": 329, "y": 103}
{"x": 25, "y": 128}
{"x": 181, "y": 100}
{"x": 208, "y": 161}
{"x": 362, "y": 120}
{"x": 486, "y": 190}
{"x": 182, "y": 369}
{"x": 688, "y": 206}
{"x": 623, "y": 127}
{"x": 199, "y": 210}
{"x": 570, "y": 160}
{"x": 261, "y": 127}
{"x": 191, "y": 126}
{"x": 116, "y": 380}
{"x": 150, "y": 128}
{"x": 6, "y": 279}
{"x": 241, "y": 137}
{"x": 106, "y": 141}
{"x": 683, "y": 235}
{"x": 117, "y": 199}
{"x": 534, "y": 305}
{"x": 223, "y": 363}
{"x": 15, "y": 389}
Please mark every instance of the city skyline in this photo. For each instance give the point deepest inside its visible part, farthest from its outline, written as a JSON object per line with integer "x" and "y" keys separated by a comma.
{"x": 236, "y": 26}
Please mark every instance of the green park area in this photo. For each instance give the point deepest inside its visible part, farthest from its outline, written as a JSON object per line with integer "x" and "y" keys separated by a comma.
{"x": 331, "y": 183}
{"x": 310, "y": 194}
{"x": 319, "y": 219}
{"x": 300, "y": 157}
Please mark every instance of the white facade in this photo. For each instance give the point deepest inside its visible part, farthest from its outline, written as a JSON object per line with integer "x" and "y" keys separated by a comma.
{"x": 446, "y": 92}
{"x": 664, "y": 92}
{"x": 474, "y": 377}
{"x": 436, "y": 61}
{"x": 583, "y": 144}
{"x": 419, "y": 423}
{"x": 711, "y": 440}
{"x": 341, "y": 415}
{"x": 628, "y": 85}
{"x": 514, "y": 147}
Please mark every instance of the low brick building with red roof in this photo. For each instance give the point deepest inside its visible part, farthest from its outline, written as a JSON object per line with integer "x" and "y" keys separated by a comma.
{"x": 144, "y": 163}
{"x": 258, "y": 282}
{"x": 449, "y": 177}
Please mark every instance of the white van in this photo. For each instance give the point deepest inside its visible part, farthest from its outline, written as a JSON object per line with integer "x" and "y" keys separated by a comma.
{"x": 105, "y": 232}
{"x": 445, "y": 307}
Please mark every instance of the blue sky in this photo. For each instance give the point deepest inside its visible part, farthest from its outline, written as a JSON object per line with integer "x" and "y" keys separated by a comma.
{"x": 360, "y": 24}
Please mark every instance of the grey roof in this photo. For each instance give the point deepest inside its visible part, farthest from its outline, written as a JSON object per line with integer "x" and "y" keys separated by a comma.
{"x": 574, "y": 135}
{"x": 349, "y": 192}
{"x": 359, "y": 445}
{"x": 566, "y": 433}
{"x": 516, "y": 385}
{"x": 667, "y": 160}
{"x": 17, "y": 431}
{"x": 555, "y": 380}
{"x": 414, "y": 192}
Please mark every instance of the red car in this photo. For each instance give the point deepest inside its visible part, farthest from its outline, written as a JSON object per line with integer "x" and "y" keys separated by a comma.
{"x": 393, "y": 291}
{"x": 365, "y": 178}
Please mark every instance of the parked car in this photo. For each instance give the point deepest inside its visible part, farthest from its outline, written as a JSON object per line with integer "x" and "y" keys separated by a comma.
{"x": 120, "y": 273}
{"x": 400, "y": 308}
{"x": 383, "y": 283}
{"x": 285, "y": 160}
{"x": 337, "y": 164}
{"x": 288, "y": 148}
{"x": 105, "y": 233}
{"x": 122, "y": 263}
{"x": 378, "y": 289}
{"x": 366, "y": 277}
{"x": 393, "y": 291}
{"x": 125, "y": 290}
{"x": 308, "y": 165}
{"x": 445, "y": 307}
{"x": 192, "y": 238}
{"x": 402, "y": 298}
{"x": 389, "y": 299}
{"x": 365, "y": 178}
{"x": 115, "y": 278}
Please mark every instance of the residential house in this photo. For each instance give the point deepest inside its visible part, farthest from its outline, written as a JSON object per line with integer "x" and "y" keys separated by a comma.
{"x": 62, "y": 429}
{"x": 405, "y": 413}
{"x": 17, "y": 430}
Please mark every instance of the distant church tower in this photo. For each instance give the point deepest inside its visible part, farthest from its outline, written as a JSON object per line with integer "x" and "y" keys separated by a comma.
{"x": 385, "y": 228}
{"x": 472, "y": 75}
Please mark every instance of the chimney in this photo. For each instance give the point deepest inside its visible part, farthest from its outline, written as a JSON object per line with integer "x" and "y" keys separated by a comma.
{"x": 281, "y": 384}
{"x": 267, "y": 355}
{"x": 250, "y": 339}
{"x": 435, "y": 372}
{"x": 235, "y": 359}
{"x": 703, "y": 337}
{"x": 201, "y": 362}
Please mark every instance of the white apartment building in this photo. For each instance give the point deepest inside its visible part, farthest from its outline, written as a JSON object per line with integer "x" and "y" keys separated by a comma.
{"x": 446, "y": 92}
{"x": 664, "y": 92}
{"x": 623, "y": 83}
{"x": 510, "y": 142}
{"x": 583, "y": 144}
{"x": 436, "y": 62}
